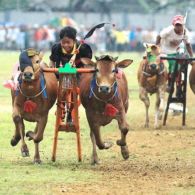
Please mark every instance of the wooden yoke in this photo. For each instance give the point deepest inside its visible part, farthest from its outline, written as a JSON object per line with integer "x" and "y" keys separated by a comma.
{"x": 67, "y": 103}
{"x": 67, "y": 98}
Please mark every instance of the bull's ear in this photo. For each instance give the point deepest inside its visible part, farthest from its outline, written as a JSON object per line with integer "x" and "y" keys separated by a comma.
{"x": 87, "y": 61}
{"x": 124, "y": 63}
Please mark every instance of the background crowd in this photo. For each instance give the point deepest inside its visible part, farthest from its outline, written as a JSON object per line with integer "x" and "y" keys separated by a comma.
{"x": 14, "y": 37}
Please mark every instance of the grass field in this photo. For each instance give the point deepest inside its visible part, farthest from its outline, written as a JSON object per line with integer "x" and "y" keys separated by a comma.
{"x": 161, "y": 161}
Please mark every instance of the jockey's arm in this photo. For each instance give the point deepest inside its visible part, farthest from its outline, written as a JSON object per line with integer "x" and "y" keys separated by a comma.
{"x": 189, "y": 49}
{"x": 158, "y": 39}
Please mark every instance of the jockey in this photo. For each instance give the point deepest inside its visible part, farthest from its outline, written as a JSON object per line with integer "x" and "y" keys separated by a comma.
{"x": 62, "y": 51}
{"x": 170, "y": 38}
{"x": 169, "y": 41}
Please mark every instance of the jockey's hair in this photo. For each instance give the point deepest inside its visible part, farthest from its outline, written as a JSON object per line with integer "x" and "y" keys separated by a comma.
{"x": 69, "y": 32}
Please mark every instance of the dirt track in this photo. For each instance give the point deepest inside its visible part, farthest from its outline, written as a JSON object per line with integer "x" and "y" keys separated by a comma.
{"x": 161, "y": 162}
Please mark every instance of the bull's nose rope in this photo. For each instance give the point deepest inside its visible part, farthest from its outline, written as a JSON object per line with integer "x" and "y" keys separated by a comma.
{"x": 115, "y": 92}
{"x": 162, "y": 70}
{"x": 33, "y": 96}
{"x": 43, "y": 89}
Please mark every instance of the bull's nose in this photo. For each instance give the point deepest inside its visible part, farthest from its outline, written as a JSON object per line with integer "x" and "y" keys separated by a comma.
{"x": 104, "y": 89}
{"x": 28, "y": 75}
{"x": 153, "y": 66}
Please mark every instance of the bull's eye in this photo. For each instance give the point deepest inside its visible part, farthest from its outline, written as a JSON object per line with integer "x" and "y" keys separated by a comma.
{"x": 37, "y": 61}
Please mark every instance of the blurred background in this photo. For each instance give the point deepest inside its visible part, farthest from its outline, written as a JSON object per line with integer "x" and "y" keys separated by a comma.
{"x": 36, "y": 23}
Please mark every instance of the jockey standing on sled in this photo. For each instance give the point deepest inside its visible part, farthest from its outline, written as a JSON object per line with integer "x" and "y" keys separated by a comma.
{"x": 169, "y": 40}
{"x": 62, "y": 52}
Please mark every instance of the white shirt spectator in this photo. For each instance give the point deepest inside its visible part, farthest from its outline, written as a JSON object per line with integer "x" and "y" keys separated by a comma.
{"x": 170, "y": 40}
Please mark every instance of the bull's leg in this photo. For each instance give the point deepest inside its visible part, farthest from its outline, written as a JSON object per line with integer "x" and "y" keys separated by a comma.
{"x": 100, "y": 144}
{"x": 160, "y": 104}
{"x": 144, "y": 97}
{"x": 162, "y": 90}
{"x": 37, "y": 159}
{"x": 94, "y": 157}
{"x": 124, "y": 128}
{"x": 37, "y": 136}
{"x": 157, "y": 112}
{"x": 95, "y": 128}
{"x": 16, "y": 138}
{"x": 19, "y": 133}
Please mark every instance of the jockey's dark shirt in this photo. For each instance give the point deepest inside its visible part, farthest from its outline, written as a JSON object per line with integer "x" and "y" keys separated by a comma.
{"x": 59, "y": 57}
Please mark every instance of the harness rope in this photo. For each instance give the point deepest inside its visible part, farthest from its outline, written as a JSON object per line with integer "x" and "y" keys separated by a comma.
{"x": 150, "y": 75}
{"x": 115, "y": 92}
{"x": 43, "y": 87}
{"x": 30, "y": 97}
{"x": 152, "y": 78}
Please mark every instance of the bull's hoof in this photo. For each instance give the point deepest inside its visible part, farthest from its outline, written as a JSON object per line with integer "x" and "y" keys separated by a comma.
{"x": 37, "y": 161}
{"x": 29, "y": 134}
{"x": 95, "y": 161}
{"x": 25, "y": 151}
{"x": 25, "y": 154}
{"x": 108, "y": 145}
{"x": 14, "y": 141}
{"x": 120, "y": 143}
{"x": 125, "y": 152}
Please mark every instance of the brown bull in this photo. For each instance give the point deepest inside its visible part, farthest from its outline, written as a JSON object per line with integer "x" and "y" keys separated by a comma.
{"x": 152, "y": 77}
{"x": 35, "y": 95}
{"x": 105, "y": 97}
